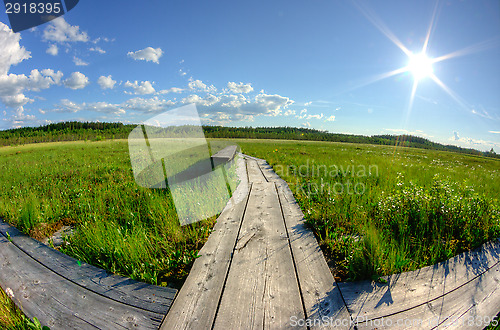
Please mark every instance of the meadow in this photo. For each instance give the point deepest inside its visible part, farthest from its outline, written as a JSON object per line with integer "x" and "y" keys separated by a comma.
{"x": 119, "y": 226}
{"x": 375, "y": 209}
{"x": 379, "y": 210}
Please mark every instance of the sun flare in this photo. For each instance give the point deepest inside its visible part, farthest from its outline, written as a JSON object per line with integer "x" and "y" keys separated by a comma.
{"x": 420, "y": 65}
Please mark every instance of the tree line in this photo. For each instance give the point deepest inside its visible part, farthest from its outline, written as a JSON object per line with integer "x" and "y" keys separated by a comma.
{"x": 95, "y": 131}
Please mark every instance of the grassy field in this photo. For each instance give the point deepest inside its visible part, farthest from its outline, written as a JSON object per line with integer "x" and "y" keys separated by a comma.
{"x": 378, "y": 210}
{"x": 119, "y": 226}
{"x": 375, "y": 209}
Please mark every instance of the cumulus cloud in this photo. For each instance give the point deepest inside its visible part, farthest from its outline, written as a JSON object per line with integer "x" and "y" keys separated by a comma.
{"x": 456, "y": 136}
{"x": 11, "y": 51}
{"x": 198, "y": 85}
{"x": 239, "y": 87}
{"x": 271, "y": 104}
{"x": 66, "y": 105}
{"x": 289, "y": 112}
{"x": 154, "y": 104}
{"x": 106, "y": 82}
{"x": 331, "y": 118}
{"x": 12, "y": 86}
{"x": 171, "y": 90}
{"x": 148, "y": 54}
{"x": 79, "y": 61}
{"x": 76, "y": 80}
{"x": 61, "y": 31}
{"x": 52, "y": 50}
{"x": 144, "y": 87}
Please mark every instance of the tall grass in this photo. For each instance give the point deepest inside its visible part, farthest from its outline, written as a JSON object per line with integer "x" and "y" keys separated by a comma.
{"x": 119, "y": 226}
{"x": 12, "y": 318}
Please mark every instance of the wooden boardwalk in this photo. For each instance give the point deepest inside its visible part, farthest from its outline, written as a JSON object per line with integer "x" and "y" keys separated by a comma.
{"x": 260, "y": 268}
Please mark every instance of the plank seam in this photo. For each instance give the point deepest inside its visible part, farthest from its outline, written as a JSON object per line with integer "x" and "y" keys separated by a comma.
{"x": 293, "y": 256}
{"x": 232, "y": 255}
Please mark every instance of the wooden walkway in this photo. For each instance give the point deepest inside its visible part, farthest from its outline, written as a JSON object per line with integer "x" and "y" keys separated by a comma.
{"x": 260, "y": 268}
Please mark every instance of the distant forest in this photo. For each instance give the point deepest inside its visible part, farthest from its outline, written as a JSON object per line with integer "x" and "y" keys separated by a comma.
{"x": 75, "y": 131}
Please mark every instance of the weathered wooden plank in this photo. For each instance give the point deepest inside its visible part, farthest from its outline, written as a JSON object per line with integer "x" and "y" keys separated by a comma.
{"x": 142, "y": 295}
{"x": 322, "y": 298}
{"x": 407, "y": 290}
{"x": 196, "y": 303}
{"x": 261, "y": 289}
{"x": 61, "y": 304}
{"x": 254, "y": 172}
{"x": 466, "y": 307}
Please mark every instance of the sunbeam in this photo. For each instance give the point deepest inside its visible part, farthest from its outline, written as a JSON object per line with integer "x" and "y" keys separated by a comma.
{"x": 375, "y": 79}
{"x": 451, "y": 93}
{"x": 379, "y": 24}
{"x": 431, "y": 28}
{"x": 479, "y": 47}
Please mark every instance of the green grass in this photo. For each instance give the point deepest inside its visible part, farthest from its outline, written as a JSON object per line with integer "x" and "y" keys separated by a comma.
{"x": 398, "y": 209}
{"x": 12, "y": 318}
{"x": 378, "y": 210}
{"x": 119, "y": 226}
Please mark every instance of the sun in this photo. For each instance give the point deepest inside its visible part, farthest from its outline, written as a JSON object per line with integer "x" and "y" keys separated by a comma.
{"x": 420, "y": 65}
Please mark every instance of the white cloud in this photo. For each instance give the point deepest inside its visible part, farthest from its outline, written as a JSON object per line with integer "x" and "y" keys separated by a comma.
{"x": 315, "y": 116}
{"x": 171, "y": 90}
{"x": 468, "y": 142}
{"x": 77, "y": 80}
{"x": 289, "y": 112}
{"x": 12, "y": 86}
{"x": 239, "y": 88}
{"x": 69, "y": 106}
{"x": 331, "y": 118}
{"x": 52, "y": 50}
{"x": 79, "y": 61}
{"x": 60, "y": 31}
{"x": 198, "y": 85}
{"x": 153, "y": 104}
{"x": 97, "y": 50}
{"x": 148, "y": 54}
{"x": 11, "y": 51}
{"x": 271, "y": 104}
{"x": 306, "y": 124}
{"x": 206, "y": 101}
{"x": 144, "y": 87}
{"x": 494, "y": 132}
{"x": 106, "y": 82}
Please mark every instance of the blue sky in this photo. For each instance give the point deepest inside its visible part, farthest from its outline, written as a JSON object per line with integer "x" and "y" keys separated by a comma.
{"x": 315, "y": 64}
